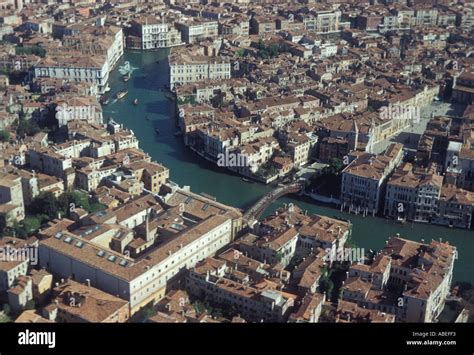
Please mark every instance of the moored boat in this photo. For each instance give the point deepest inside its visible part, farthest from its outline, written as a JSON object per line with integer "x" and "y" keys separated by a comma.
{"x": 121, "y": 94}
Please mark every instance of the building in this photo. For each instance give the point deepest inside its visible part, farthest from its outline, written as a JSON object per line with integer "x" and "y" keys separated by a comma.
{"x": 463, "y": 89}
{"x": 455, "y": 207}
{"x": 186, "y": 69}
{"x": 153, "y": 175}
{"x": 92, "y": 69}
{"x": 427, "y": 271}
{"x": 15, "y": 266}
{"x": 426, "y": 16}
{"x": 144, "y": 279}
{"x": 12, "y": 207}
{"x": 277, "y": 248}
{"x": 310, "y": 309}
{"x": 211, "y": 280}
{"x": 314, "y": 231}
{"x": 152, "y": 33}
{"x": 324, "y": 21}
{"x": 20, "y": 294}
{"x": 363, "y": 180}
{"x": 77, "y": 303}
{"x": 418, "y": 284}
{"x": 413, "y": 194}
{"x": 349, "y": 312}
{"x": 196, "y": 29}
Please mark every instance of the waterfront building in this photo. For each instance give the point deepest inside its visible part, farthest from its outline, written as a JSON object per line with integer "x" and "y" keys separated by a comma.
{"x": 455, "y": 207}
{"x": 186, "y": 69}
{"x": 106, "y": 41}
{"x": 413, "y": 194}
{"x": 152, "y": 33}
{"x": 314, "y": 231}
{"x": 213, "y": 280}
{"x": 93, "y": 69}
{"x": 153, "y": 175}
{"x": 418, "y": 284}
{"x": 364, "y": 179}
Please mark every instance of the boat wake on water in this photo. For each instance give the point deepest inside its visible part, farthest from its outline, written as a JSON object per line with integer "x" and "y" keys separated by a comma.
{"x": 126, "y": 68}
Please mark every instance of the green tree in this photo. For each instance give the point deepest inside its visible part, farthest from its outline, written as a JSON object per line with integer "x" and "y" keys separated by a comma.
{"x": 273, "y": 50}
{"x": 27, "y": 227}
{"x": 4, "y": 136}
{"x": 149, "y": 312}
{"x": 27, "y": 127}
{"x": 7, "y": 309}
{"x": 30, "y": 305}
{"x": 35, "y": 50}
{"x": 69, "y": 201}
{"x": 45, "y": 203}
{"x": 326, "y": 285}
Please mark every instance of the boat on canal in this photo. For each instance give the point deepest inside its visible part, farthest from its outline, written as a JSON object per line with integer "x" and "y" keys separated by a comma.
{"x": 121, "y": 94}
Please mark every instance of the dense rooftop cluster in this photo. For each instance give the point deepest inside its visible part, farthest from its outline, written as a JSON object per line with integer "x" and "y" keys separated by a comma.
{"x": 264, "y": 89}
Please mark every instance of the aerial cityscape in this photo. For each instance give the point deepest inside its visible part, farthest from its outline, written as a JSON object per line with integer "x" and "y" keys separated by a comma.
{"x": 237, "y": 161}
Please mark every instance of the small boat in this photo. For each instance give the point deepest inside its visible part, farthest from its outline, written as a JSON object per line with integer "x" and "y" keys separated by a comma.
{"x": 135, "y": 102}
{"x": 104, "y": 101}
{"x": 157, "y": 131}
{"x": 126, "y": 78}
{"x": 247, "y": 180}
{"x": 121, "y": 94}
{"x": 401, "y": 220}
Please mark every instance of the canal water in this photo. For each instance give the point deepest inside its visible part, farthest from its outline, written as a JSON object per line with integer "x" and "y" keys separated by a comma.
{"x": 155, "y": 110}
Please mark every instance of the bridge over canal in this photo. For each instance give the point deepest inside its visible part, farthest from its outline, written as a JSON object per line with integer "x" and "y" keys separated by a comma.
{"x": 253, "y": 213}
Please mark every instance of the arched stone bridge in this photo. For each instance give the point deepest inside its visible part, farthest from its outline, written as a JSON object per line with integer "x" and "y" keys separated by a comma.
{"x": 253, "y": 213}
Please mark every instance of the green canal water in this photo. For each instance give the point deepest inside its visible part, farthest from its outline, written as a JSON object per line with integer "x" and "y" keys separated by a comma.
{"x": 156, "y": 110}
